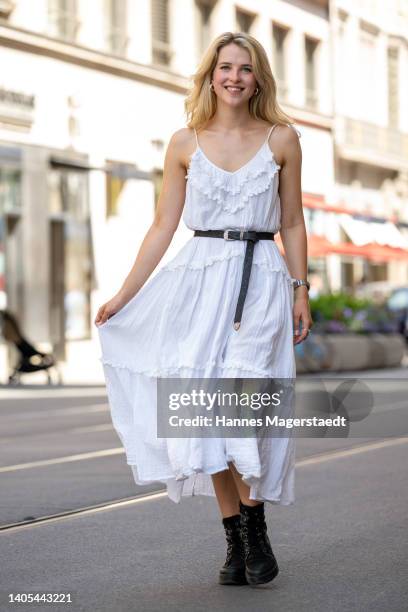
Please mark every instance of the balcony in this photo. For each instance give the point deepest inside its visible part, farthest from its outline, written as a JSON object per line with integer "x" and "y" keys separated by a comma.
{"x": 372, "y": 144}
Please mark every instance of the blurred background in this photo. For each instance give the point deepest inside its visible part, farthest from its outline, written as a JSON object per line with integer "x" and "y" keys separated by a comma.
{"x": 90, "y": 94}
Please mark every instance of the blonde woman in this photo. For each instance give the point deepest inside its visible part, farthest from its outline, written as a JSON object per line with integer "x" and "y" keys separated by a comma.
{"x": 228, "y": 305}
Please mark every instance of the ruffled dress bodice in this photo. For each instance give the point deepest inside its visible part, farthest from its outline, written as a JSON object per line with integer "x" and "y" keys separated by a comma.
{"x": 246, "y": 199}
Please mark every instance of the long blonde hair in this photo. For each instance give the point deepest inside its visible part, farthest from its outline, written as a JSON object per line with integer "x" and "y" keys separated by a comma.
{"x": 201, "y": 103}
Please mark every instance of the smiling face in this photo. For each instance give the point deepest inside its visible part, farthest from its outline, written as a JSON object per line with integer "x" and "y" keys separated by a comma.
{"x": 233, "y": 79}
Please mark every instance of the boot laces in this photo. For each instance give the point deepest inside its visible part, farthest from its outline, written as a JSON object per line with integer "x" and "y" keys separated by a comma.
{"x": 234, "y": 544}
{"x": 254, "y": 534}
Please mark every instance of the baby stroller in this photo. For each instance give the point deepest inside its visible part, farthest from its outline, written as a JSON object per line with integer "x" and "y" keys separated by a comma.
{"x": 30, "y": 359}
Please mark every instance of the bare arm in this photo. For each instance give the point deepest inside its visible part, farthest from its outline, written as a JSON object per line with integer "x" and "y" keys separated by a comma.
{"x": 165, "y": 223}
{"x": 159, "y": 235}
{"x": 292, "y": 231}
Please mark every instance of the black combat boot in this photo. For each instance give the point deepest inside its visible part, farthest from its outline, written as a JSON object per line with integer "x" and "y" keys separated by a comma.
{"x": 233, "y": 570}
{"x": 261, "y": 565}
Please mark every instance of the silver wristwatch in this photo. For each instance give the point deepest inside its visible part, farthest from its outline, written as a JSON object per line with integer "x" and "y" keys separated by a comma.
{"x": 297, "y": 282}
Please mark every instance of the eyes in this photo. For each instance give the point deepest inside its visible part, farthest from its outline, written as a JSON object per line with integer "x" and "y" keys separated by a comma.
{"x": 243, "y": 68}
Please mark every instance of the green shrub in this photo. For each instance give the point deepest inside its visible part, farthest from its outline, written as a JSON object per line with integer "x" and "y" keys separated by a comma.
{"x": 339, "y": 312}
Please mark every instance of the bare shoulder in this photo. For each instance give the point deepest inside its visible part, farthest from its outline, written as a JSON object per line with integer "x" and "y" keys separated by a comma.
{"x": 286, "y": 133}
{"x": 181, "y": 136}
{"x": 285, "y": 142}
{"x": 182, "y": 143}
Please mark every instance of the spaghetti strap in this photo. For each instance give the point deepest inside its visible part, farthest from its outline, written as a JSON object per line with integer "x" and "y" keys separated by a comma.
{"x": 288, "y": 124}
{"x": 196, "y": 137}
{"x": 293, "y": 128}
{"x": 270, "y": 131}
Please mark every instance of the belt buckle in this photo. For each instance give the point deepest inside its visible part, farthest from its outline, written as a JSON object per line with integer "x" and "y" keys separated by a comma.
{"x": 241, "y": 234}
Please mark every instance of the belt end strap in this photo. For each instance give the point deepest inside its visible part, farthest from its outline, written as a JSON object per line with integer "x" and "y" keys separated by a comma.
{"x": 251, "y": 236}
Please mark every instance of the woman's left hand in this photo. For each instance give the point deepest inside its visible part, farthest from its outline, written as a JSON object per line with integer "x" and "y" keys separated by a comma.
{"x": 301, "y": 314}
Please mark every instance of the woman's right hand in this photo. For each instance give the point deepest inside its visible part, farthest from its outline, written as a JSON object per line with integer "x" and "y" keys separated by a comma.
{"x": 110, "y": 308}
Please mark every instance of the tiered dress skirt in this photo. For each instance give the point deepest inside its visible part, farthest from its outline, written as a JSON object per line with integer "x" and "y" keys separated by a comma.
{"x": 180, "y": 324}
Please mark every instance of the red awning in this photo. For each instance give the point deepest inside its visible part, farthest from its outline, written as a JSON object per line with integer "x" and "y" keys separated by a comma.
{"x": 318, "y": 246}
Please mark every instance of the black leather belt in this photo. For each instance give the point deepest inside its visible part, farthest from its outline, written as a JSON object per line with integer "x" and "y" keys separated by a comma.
{"x": 251, "y": 237}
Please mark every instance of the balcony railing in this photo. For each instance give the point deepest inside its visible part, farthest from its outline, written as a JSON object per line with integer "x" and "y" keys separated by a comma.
{"x": 117, "y": 41}
{"x": 282, "y": 89}
{"x": 63, "y": 24}
{"x": 162, "y": 52}
{"x": 311, "y": 98}
{"x": 373, "y": 140}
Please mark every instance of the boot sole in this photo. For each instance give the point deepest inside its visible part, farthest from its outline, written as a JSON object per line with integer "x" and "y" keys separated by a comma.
{"x": 263, "y": 578}
{"x": 229, "y": 579}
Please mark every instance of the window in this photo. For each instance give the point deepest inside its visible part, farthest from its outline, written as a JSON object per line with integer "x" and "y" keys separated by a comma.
{"x": 368, "y": 75}
{"x": 10, "y": 190}
{"x": 116, "y": 35}
{"x": 393, "y": 94}
{"x": 121, "y": 186}
{"x": 11, "y": 251}
{"x": 204, "y": 9}
{"x": 279, "y": 36}
{"x": 347, "y": 275}
{"x": 310, "y": 70}
{"x": 63, "y": 19}
{"x": 161, "y": 49}
{"x": 244, "y": 21}
{"x": 114, "y": 186}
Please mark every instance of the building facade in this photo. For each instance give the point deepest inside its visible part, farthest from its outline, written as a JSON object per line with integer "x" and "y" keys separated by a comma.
{"x": 368, "y": 213}
{"x": 90, "y": 94}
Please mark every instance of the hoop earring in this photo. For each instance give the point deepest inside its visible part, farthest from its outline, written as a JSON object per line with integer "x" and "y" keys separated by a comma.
{"x": 256, "y": 91}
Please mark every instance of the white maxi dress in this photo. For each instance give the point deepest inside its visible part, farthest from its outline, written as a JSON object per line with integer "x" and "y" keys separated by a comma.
{"x": 180, "y": 324}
